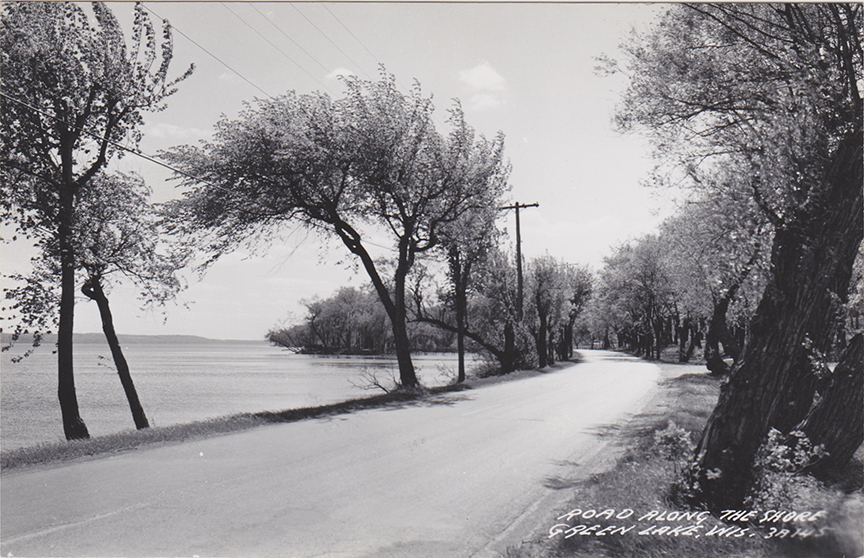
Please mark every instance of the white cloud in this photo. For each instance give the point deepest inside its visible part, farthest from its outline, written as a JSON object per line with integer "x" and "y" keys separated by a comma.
{"x": 487, "y": 85}
{"x": 483, "y": 77}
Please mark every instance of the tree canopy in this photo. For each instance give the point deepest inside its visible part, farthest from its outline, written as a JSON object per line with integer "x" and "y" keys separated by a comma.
{"x": 371, "y": 160}
{"x": 72, "y": 90}
{"x": 767, "y": 94}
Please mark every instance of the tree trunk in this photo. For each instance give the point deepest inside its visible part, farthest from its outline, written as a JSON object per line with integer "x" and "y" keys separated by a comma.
{"x": 836, "y": 418}
{"x": 683, "y": 336}
{"x": 394, "y": 306}
{"x": 541, "y": 341}
{"x": 508, "y": 363}
{"x": 93, "y": 289}
{"x": 718, "y": 332}
{"x": 772, "y": 385}
{"x": 407, "y": 375}
{"x": 73, "y": 426}
{"x": 460, "y": 287}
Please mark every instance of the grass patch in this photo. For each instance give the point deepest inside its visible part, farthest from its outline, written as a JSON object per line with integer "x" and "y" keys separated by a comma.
{"x": 657, "y": 445}
{"x": 61, "y": 452}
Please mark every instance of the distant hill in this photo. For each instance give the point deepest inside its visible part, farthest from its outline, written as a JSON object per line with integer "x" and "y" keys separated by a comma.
{"x": 98, "y": 338}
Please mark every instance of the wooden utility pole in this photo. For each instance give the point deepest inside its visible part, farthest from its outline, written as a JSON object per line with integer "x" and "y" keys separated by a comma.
{"x": 517, "y": 206}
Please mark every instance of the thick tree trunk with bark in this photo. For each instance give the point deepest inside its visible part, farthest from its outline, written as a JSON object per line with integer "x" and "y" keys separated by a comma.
{"x": 93, "y": 289}
{"x": 407, "y": 375}
{"x": 836, "y": 418}
{"x": 772, "y": 385}
{"x": 683, "y": 337}
{"x": 73, "y": 426}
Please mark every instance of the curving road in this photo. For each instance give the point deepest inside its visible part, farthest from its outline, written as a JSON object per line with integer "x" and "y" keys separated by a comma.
{"x": 452, "y": 476}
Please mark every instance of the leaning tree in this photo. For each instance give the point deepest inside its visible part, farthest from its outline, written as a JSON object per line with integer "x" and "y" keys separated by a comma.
{"x": 369, "y": 161}
{"x": 772, "y": 90}
{"x": 71, "y": 91}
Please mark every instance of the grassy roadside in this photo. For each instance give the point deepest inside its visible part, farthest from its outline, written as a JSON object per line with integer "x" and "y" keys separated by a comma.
{"x": 656, "y": 445}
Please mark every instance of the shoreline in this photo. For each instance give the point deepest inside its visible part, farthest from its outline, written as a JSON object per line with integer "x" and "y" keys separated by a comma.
{"x": 53, "y": 454}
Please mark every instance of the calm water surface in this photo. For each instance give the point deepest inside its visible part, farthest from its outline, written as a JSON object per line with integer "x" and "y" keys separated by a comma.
{"x": 184, "y": 382}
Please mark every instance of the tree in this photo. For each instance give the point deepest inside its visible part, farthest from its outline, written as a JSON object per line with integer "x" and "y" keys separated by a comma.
{"x": 116, "y": 235}
{"x": 635, "y": 291}
{"x": 580, "y": 285}
{"x": 770, "y": 90}
{"x": 371, "y": 159}
{"x": 715, "y": 258}
{"x": 556, "y": 295}
{"x": 70, "y": 92}
{"x": 466, "y": 241}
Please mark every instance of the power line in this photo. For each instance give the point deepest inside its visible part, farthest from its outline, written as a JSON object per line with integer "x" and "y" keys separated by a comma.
{"x": 235, "y": 14}
{"x": 194, "y": 42}
{"x": 287, "y": 36}
{"x": 359, "y": 67}
{"x": 350, "y": 33}
{"x": 356, "y": 38}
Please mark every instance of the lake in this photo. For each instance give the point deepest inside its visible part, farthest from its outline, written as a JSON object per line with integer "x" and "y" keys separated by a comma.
{"x": 181, "y": 382}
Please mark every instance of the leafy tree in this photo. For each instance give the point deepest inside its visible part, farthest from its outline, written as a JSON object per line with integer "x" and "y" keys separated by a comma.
{"x": 716, "y": 260}
{"x": 115, "y": 238}
{"x": 466, "y": 241}
{"x": 770, "y": 90}
{"x": 557, "y": 293}
{"x": 71, "y": 90}
{"x": 371, "y": 159}
{"x": 580, "y": 285}
{"x": 635, "y": 292}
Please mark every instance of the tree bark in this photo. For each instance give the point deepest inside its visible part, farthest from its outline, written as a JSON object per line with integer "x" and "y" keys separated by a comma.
{"x": 73, "y": 426}
{"x": 772, "y": 385}
{"x": 836, "y": 418}
{"x": 93, "y": 289}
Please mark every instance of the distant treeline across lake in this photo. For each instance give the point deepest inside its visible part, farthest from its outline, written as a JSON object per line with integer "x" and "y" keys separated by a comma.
{"x": 181, "y": 379}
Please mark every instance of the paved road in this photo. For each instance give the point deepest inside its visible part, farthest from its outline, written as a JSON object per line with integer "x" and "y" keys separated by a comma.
{"x": 438, "y": 478}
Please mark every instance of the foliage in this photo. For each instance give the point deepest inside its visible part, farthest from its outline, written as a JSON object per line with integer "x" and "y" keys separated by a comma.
{"x": 371, "y": 160}
{"x": 352, "y": 321}
{"x": 78, "y": 91}
{"x": 673, "y": 442}
{"x": 71, "y": 92}
{"x": 764, "y": 97}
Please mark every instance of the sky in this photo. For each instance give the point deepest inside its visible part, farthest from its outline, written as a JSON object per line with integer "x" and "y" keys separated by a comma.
{"x": 525, "y": 69}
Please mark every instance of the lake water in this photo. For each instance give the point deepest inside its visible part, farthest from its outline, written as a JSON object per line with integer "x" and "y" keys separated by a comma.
{"x": 184, "y": 382}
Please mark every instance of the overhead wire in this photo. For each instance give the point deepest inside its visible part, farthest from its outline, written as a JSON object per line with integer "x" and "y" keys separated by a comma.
{"x": 356, "y": 38}
{"x": 287, "y": 36}
{"x": 359, "y": 67}
{"x": 194, "y": 42}
{"x": 271, "y": 43}
{"x": 350, "y": 33}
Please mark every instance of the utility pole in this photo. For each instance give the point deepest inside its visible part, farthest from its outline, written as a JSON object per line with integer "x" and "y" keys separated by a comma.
{"x": 519, "y": 287}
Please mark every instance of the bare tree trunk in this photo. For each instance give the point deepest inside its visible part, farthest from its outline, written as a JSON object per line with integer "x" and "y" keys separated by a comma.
{"x": 73, "y": 426}
{"x": 540, "y": 339}
{"x": 93, "y": 289}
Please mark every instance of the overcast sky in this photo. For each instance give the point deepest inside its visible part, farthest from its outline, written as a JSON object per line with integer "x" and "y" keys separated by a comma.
{"x": 524, "y": 69}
